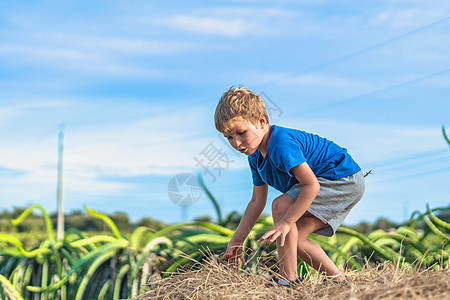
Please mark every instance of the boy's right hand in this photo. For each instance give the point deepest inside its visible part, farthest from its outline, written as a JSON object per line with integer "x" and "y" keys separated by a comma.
{"x": 234, "y": 254}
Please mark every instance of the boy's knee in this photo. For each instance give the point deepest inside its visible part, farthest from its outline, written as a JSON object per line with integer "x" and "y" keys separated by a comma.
{"x": 281, "y": 204}
{"x": 301, "y": 241}
{"x": 307, "y": 225}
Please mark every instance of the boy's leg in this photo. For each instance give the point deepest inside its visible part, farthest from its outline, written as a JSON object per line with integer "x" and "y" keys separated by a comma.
{"x": 288, "y": 253}
{"x": 297, "y": 244}
{"x": 310, "y": 252}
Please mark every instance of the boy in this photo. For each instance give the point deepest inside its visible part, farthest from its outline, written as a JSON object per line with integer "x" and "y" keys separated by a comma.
{"x": 319, "y": 180}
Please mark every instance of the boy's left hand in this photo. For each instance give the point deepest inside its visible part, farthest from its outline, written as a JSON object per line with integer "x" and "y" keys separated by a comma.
{"x": 279, "y": 230}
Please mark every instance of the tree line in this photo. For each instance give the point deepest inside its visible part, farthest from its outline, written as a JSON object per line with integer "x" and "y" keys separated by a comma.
{"x": 76, "y": 219}
{"x": 80, "y": 220}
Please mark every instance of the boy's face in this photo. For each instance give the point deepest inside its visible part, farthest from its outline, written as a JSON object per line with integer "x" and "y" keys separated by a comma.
{"x": 244, "y": 136}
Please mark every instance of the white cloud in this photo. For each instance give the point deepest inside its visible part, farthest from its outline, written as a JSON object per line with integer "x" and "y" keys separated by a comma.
{"x": 407, "y": 17}
{"x": 163, "y": 144}
{"x": 110, "y": 56}
{"x": 308, "y": 80}
{"x": 256, "y": 13}
{"x": 96, "y": 159}
{"x": 325, "y": 80}
{"x": 6, "y": 116}
{"x": 113, "y": 45}
{"x": 209, "y": 25}
{"x": 228, "y": 21}
{"x": 37, "y": 51}
{"x": 14, "y": 109}
{"x": 30, "y": 106}
{"x": 80, "y": 60}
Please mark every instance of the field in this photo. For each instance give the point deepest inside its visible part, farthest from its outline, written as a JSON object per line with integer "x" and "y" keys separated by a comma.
{"x": 384, "y": 281}
{"x": 179, "y": 261}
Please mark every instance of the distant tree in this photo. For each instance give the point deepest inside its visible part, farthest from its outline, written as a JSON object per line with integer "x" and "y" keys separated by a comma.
{"x": 233, "y": 218}
{"x": 77, "y": 212}
{"x": 121, "y": 219}
{"x": 17, "y": 211}
{"x": 384, "y": 223}
{"x": 204, "y": 218}
{"x": 82, "y": 223}
{"x": 363, "y": 227}
{"x": 74, "y": 212}
{"x": 444, "y": 214}
{"x": 150, "y": 223}
{"x": 31, "y": 225}
{"x": 5, "y": 214}
{"x": 6, "y": 226}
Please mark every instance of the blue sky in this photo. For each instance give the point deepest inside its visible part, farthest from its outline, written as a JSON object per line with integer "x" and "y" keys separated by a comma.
{"x": 136, "y": 83}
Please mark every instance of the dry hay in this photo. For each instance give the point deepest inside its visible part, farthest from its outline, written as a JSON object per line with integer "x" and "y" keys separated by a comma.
{"x": 210, "y": 280}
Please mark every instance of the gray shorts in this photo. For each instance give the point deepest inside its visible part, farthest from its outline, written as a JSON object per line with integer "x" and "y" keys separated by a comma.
{"x": 335, "y": 200}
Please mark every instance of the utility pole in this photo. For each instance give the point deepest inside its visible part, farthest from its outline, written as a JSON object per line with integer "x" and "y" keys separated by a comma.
{"x": 59, "y": 193}
{"x": 184, "y": 213}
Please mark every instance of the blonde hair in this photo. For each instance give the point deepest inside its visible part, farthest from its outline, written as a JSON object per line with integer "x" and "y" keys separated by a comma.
{"x": 239, "y": 103}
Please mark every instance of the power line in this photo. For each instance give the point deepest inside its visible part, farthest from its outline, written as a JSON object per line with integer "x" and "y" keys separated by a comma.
{"x": 410, "y": 164}
{"x": 157, "y": 112}
{"x": 44, "y": 197}
{"x": 424, "y": 173}
{"x": 408, "y": 157}
{"x": 347, "y": 100}
{"x": 410, "y": 161}
{"x": 33, "y": 144}
{"x": 350, "y": 55}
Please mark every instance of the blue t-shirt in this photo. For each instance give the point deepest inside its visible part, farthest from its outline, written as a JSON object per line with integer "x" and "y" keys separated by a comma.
{"x": 287, "y": 148}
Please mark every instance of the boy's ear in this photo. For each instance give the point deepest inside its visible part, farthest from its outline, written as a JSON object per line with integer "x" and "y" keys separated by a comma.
{"x": 262, "y": 121}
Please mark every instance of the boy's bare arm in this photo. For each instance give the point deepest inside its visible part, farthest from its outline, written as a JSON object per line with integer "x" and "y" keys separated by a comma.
{"x": 252, "y": 212}
{"x": 310, "y": 189}
{"x": 251, "y": 215}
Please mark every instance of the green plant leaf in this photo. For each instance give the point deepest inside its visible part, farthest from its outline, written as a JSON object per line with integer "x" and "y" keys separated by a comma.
{"x": 93, "y": 239}
{"x": 211, "y": 198}
{"x": 114, "y": 246}
{"x": 15, "y": 241}
{"x": 436, "y": 220}
{"x": 136, "y": 237}
{"x": 119, "y": 279}
{"x": 208, "y": 239}
{"x": 445, "y": 135}
{"x": 435, "y": 229}
{"x": 91, "y": 270}
{"x": 214, "y": 227}
{"x": 4, "y": 282}
{"x": 47, "y": 220}
{"x": 105, "y": 219}
{"x": 384, "y": 252}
